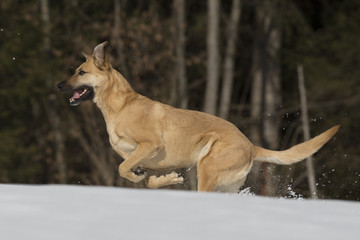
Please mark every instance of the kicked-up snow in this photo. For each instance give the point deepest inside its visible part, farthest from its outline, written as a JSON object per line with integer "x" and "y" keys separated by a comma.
{"x": 63, "y": 212}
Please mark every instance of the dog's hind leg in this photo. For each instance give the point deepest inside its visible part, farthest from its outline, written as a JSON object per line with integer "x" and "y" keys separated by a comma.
{"x": 164, "y": 180}
{"x": 231, "y": 188}
{"x": 223, "y": 170}
{"x": 207, "y": 176}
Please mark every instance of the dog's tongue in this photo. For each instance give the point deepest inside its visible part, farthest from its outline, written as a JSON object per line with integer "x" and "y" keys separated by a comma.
{"x": 76, "y": 95}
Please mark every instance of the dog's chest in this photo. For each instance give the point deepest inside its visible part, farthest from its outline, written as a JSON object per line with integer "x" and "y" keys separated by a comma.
{"x": 124, "y": 145}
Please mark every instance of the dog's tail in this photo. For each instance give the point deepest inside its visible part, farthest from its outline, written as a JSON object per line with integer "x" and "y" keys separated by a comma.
{"x": 297, "y": 152}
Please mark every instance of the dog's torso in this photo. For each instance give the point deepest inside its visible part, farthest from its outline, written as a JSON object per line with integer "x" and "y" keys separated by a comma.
{"x": 187, "y": 136}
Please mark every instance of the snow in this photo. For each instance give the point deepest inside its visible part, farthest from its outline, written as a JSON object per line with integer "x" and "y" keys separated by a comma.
{"x": 86, "y": 212}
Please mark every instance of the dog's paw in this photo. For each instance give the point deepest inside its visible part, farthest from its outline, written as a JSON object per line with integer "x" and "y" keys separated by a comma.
{"x": 163, "y": 180}
{"x": 139, "y": 172}
{"x": 178, "y": 180}
{"x": 137, "y": 178}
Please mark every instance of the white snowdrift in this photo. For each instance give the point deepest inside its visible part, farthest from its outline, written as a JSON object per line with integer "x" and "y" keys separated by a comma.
{"x": 72, "y": 212}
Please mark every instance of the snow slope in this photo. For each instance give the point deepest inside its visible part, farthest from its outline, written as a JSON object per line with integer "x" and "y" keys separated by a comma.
{"x": 54, "y": 212}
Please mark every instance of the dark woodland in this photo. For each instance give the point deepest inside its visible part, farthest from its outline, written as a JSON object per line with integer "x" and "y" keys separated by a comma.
{"x": 239, "y": 59}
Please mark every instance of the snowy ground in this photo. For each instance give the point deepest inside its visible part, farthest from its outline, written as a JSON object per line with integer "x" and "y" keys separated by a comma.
{"x": 72, "y": 212}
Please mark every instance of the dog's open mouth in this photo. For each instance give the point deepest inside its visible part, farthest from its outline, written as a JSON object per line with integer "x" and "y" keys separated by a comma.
{"x": 81, "y": 94}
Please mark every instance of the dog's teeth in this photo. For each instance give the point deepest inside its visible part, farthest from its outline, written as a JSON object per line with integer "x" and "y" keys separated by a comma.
{"x": 83, "y": 92}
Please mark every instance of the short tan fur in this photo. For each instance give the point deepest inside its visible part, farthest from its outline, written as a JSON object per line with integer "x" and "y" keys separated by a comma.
{"x": 150, "y": 135}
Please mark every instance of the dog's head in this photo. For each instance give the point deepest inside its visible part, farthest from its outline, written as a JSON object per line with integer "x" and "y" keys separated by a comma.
{"x": 88, "y": 77}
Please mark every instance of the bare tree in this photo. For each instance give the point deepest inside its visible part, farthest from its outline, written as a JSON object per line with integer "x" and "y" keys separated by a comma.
{"x": 228, "y": 72}
{"x": 256, "y": 112}
{"x": 272, "y": 94}
{"x": 266, "y": 85}
{"x": 211, "y": 91}
{"x": 51, "y": 105}
{"x": 306, "y": 129}
{"x": 179, "y": 88}
{"x": 94, "y": 147}
{"x": 179, "y": 11}
{"x": 118, "y": 42}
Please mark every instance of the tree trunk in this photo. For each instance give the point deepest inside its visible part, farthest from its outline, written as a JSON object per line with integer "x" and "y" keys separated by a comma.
{"x": 179, "y": 10}
{"x": 118, "y": 42}
{"x": 229, "y": 60}
{"x": 93, "y": 145}
{"x": 180, "y": 83}
{"x": 211, "y": 91}
{"x": 272, "y": 99}
{"x": 306, "y": 129}
{"x": 51, "y": 103}
{"x": 255, "y": 113}
{"x": 266, "y": 87}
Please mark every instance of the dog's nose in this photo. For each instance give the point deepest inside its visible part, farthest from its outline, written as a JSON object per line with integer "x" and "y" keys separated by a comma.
{"x": 59, "y": 85}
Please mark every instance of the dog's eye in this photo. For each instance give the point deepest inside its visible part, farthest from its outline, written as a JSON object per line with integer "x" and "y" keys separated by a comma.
{"x": 81, "y": 72}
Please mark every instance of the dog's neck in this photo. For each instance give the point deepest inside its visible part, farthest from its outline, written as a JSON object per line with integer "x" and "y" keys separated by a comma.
{"x": 112, "y": 97}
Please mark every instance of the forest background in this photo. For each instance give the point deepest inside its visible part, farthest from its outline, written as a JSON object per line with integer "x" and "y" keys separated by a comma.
{"x": 238, "y": 59}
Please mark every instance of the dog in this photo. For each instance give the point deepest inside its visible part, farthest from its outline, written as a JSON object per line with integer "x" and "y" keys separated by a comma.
{"x": 150, "y": 135}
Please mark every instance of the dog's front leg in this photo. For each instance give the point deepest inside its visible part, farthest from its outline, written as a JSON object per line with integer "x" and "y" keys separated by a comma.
{"x": 144, "y": 151}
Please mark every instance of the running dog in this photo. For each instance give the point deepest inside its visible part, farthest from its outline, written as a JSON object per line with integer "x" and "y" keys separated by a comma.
{"x": 150, "y": 135}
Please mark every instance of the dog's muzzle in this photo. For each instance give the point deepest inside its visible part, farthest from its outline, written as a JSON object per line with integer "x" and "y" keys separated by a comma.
{"x": 64, "y": 88}
{"x": 59, "y": 85}
{"x": 80, "y": 94}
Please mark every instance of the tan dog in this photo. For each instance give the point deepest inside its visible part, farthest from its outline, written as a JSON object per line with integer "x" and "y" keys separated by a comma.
{"x": 150, "y": 135}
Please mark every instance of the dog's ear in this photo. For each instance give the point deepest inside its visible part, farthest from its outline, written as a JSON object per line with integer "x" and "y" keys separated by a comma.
{"x": 99, "y": 56}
